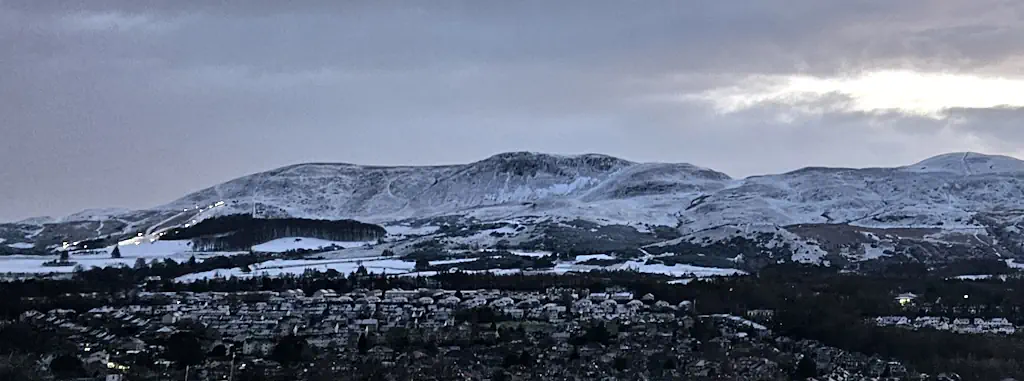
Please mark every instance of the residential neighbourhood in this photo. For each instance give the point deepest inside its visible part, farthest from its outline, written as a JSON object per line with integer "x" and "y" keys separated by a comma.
{"x": 958, "y": 325}
{"x": 439, "y": 334}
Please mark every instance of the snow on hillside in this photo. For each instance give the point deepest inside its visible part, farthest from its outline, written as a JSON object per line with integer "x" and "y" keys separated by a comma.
{"x": 595, "y": 187}
{"x": 584, "y": 258}
{"x": 280, "y": 267}
{"x": 801, "y": 250}
{"x": 281, "y": 245}
{"x": 680, "y": 270}
{"x": 968, "y": 163}
{"x": 406, "y": 230}
{"x": 98, "y": 214}
{"x": 617, "y": 191}
{"x": 946, "y": 192}
{"x": 378, "y": 264}
{"x": 32, "y": 264}
{"x": 160, "y": 248}
{"x": 37, "y": 220}
{"x": 26, "y": 264}
{"x": 382, "y": 194}
{"x": 532, "y": 254}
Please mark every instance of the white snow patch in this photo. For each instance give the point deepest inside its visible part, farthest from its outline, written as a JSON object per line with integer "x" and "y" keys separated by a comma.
{"x": 405, "y": 230}
{"x": 451, "y": 261}
{"x": 565, "y": 267}
{"x": 680, "y": 270}
{"x": 281, "y": 245}
{"x": 742, "y": 321}
{"x": 533, "y": 254}
{"x": 28, "y": 264}
{"x": 874, "y": 252}
{"x": 1013, "y": 264}
{"x": 423, "y": 274}
{"x": 159, "y": 248}
{"x": 99, "y": 214}
{"x": 584, "y": 258}
{"x": 973, "y": 277}
{"x": 21, "y": 245}
{"x": 279, "y": 267}
{"x": 488, "y": 271}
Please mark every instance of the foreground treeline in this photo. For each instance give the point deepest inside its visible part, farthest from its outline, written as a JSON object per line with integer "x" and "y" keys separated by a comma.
{"x": 822, "y": 304}
{"x": 810, "y": 303}
{"x": 240, "y": 232}
{"x": 108, "y": 283}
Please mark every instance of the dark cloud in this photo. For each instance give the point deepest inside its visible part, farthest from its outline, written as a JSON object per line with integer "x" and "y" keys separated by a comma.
{"x": 1001, "y": 127}
{"x": 133, "y": 103}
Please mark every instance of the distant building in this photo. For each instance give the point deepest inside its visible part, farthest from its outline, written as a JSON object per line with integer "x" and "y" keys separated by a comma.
{"x": 762, "y": 316}
{"x": 905, "y": 298}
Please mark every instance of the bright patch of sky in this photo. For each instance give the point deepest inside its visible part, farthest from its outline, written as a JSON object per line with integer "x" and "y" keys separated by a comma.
{"x": 909, "y": 92}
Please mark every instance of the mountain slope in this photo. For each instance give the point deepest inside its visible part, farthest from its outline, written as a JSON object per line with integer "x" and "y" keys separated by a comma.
{"x": 381, "y": 194}
{"x": 967, "y": 199}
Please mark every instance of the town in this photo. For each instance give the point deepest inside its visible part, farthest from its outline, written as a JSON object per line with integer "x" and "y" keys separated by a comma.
{"x": 787, "y": 322}
{"x": 436, "y": 334}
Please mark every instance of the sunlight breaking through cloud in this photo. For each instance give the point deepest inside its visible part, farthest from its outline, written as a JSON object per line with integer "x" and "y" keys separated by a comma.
{"x": 908, "y": 92}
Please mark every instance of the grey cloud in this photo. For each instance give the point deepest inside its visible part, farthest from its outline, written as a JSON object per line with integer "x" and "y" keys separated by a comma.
{"x": 133, "y": 103}
{"x": 659, "y": 35}
{"x": 1003, "y": 127}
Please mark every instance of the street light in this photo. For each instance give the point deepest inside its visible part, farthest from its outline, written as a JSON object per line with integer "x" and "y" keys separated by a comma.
{"x": 231, "y": 373}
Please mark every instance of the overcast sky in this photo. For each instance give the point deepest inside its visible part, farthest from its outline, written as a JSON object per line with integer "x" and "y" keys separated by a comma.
{"x": 133, "y": 103}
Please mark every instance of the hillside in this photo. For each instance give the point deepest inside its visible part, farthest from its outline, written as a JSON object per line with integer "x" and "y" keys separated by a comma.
{"x": 950, "y": 206}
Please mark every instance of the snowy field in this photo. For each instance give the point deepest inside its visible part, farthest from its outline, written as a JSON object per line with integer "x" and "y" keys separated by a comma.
{"x": 532, "y": 254}
{"x": 280, "y": 267}
{"x": 377, "y": 264}
{"x": 179, "y": 251}
{"x": 281, "y": 245}
{"x": 405, "y": 230}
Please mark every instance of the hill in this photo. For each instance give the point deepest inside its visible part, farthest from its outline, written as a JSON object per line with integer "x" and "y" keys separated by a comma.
{"x": 952, "y": 206}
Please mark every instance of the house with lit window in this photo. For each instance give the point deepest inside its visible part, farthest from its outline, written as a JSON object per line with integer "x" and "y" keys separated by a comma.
{"x": 905, "y": 298}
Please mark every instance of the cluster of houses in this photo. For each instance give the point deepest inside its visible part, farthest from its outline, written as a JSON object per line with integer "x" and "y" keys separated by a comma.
{"x": 253, "y": 321}
{"x": 959, "y": 325}
{"x": 649, "y": 334}
{"x": 96, "y": 344}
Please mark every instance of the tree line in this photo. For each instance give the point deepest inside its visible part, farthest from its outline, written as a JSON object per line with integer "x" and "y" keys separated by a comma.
{"x": 240, "y": 232}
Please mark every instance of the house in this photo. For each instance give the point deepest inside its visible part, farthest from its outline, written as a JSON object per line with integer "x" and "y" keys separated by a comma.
{"x": 761, "y": 315}
{"x": 382, "y": 354}
{"x": 905, "y": 298}
{"x": 367, "y": 325}
{"x": 99, "y": 358}
{"x": 622, "y": 296}
{"x": 515, "y": 313}
{"x": 407, "y": 294}
{"x": 132, "y": 345}
{"x": 324, "y": 294}
{"x": 257, "y": 347}
{"x": 502, "y": 302}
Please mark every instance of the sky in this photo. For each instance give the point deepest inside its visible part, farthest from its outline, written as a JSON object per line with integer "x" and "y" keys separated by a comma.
{"x": 134, "y": 103}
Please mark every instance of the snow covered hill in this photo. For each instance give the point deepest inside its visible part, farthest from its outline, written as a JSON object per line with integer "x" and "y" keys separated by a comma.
{"x": 593, "y": 202}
